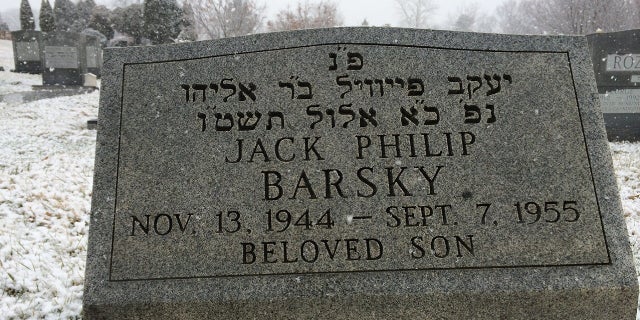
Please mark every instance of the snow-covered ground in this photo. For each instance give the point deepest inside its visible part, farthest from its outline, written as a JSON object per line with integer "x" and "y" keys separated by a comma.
{"x": 46, "y": 171}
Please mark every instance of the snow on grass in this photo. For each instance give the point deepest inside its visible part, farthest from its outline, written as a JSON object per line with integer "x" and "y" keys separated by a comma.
{"x": 46, "y": 170}
{"x": 626, "y": 163}
{"x": 14, "y": 82}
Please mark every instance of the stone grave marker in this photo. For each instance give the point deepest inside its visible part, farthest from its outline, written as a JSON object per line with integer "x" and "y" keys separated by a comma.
{"x": 27, "y": 51}
{"x": 64, "y": 58}
{"x": 356, "y": 173}
{"x": 93, "y": 50}
{"x": 616, "y": 62}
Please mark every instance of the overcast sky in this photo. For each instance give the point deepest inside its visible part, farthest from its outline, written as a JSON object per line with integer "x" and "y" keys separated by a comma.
{"x": 377, "y": 12}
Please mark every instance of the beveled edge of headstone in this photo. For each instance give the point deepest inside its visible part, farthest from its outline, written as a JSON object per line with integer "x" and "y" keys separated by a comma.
{"x": 616, "y": 280}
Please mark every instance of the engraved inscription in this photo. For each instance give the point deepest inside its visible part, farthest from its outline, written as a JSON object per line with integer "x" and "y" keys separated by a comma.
{"x": 621, "y": 101}
{"x": 623, "y": 62}
{"x": 27, "y": 51}
{"x": 345, "y": 158}
{"x": 61, "y": 57}
{"x": 92, "y": 56}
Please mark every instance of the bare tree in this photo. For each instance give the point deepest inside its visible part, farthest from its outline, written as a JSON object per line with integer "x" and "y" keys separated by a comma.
{"x": 226, "y": 18}
{"x": 415, "y": 13}
{"x": 567, "y": 16}
{"x": 469, "y": 18}
{"x": 305, "y": 16}
{"x": 512, "y": 19}
{"x": 466, "y": 18}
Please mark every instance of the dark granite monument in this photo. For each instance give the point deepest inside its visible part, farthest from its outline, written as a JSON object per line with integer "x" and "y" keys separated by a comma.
{"x": 27, "y": 51}
{"x": 356, "y": 173}
{"x": 93, "y": 52}
{"x": 616, "y": 61}
{"x": 64, "y": 58}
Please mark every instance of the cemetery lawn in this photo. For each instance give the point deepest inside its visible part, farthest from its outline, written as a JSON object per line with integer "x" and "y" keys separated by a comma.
{"x": 46, "y": 173}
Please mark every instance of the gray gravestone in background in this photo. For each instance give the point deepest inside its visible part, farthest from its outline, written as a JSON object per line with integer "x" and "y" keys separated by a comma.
{"x": 93, "y": 50}
{"x": 27, "y": 51}
{"x": 64, "y": 59}
{"x": 356, "y": 173}
{"x": 616, "y": 61}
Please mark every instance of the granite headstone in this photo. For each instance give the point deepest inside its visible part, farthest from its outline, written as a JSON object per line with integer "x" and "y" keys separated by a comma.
{"x": 616, "y": 62}
{"x": 356, "y": 173}
{"x": 27, "y": 51}
{"x": 64, "y": 58}
{"x": 93, "y": 50}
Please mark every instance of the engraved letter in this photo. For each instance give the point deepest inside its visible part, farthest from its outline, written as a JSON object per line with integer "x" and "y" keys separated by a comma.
{"x": 493, "y": 89}
{"x": 471, "y": 90}
{"x": 334, "y": 65}
{"x": 354, "y": 61}
{"x": 268, "y": 185}
{"x": 222, "y": 127}
{"x": 345, "y": 110}
{"x": 344, "y": 83}
{"x": 304, "y": 84}
{"x": 287, "y": 85}
{"x": 201, "y": 87}
{"x": 406, "y": 116}
{"x": 248, "y": 91}
{"x": 459, "y": 90}
{"x": 243, "y": 125}
{"x": 314, "y": 113}
{"x": 368, "y": 117}
{"x": 415, "y": 87}
{"x": 492, "y": 118}
{"x": 186, "y": 87}
{"x": 432, "y": 110}
{"x": 472, "y": 114}
{"x": 225, "y": 84}
{"x": 380, "y": 82}
{"x": 275, "y": 114}
{"x": 204, "y": 120}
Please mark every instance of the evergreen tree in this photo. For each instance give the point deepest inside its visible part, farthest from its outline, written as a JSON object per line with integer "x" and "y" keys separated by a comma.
{"x": 129, "y": 20}
{"x": 101, "y": 21}
{"x": 3, "y": 25}
{"x": 188, "y": 32}
{"x": 65, "y": 13}
{"x": 84, "y": 10}
{"x": 162, "y": 20}
{"x": 47, "y": 22}
{"x": 27, "y": 22}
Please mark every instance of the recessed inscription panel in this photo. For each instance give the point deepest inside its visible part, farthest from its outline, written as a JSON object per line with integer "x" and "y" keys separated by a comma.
{"x": 28, "y": 51}
{"x": 61, "y": 57}
{"x": 621, "y": 101}
{"x": 623, "y": 62}
{"x": 352, "y": 158}
{"x": 92, "y": 53}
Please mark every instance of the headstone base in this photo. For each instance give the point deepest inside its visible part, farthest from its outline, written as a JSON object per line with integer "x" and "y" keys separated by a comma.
{"x": 380, "y": 299}
{"x": 622, "y": 126}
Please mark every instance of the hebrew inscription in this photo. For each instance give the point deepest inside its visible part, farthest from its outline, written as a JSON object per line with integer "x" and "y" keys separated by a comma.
{"x": 349, "y": 158}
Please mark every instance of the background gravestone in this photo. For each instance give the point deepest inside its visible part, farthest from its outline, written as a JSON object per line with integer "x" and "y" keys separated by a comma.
{"x": 356, "y": 173}
{"x": 27, "y": 51}
{"x": 64, "y": 59}
{"x": 93, "y": 49}
{"x": 616, "y": 62}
